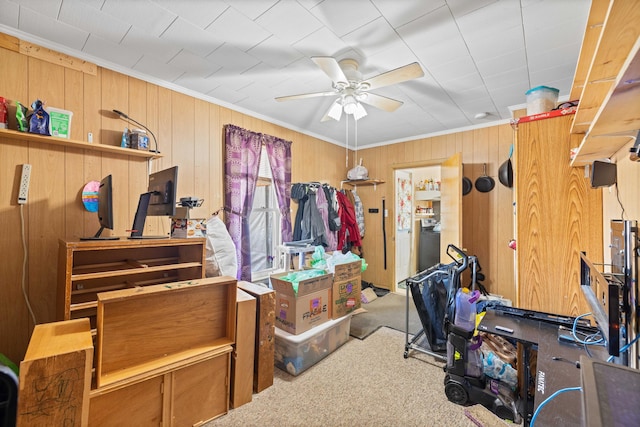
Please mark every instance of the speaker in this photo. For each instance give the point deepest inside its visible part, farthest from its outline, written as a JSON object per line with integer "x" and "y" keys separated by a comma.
{"x": 603, "y": 174}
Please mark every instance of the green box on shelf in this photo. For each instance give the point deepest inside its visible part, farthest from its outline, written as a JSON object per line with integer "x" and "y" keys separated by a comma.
{"x": 59, "y": 122}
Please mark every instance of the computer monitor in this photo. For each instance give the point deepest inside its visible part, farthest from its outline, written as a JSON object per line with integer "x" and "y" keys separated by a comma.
{"x": 159, "y": 200}
{"x": 105, "y": 210}
{"x": 610, "y": 394}
{"x": 603, "y": 298}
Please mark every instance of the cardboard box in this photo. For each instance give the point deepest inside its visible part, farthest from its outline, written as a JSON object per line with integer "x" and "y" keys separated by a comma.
{"x": 309, "y": 308}
{"x": 296, "y": 353}
{"x": 347, "y": 271}
{"x": 185, "y": 228}
{"x": 346, "y": 296}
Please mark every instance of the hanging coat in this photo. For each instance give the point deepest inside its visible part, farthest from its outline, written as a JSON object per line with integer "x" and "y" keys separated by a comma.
{"x": 349, "y": 234}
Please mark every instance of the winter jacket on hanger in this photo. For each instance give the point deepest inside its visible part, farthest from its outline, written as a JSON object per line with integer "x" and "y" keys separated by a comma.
{"x": 349, "y": 234}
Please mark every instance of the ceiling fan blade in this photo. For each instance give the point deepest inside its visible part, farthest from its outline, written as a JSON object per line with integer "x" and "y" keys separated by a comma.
{"x": 379, "y": 101}
{"x": 331, "y": 68}
{"x": 305, "y": 95}
{"x": 399, "y": 75}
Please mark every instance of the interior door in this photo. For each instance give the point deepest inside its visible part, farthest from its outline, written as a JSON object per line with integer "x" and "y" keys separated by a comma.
{"x": 403, "y": 224}
{"x": 450, "y": 205}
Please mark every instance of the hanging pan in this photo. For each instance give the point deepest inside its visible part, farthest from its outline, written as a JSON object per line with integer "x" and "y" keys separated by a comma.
{"x": 505, "y": 173}
{"x": 485, "y": 183}
{"x": 466, "y": 184}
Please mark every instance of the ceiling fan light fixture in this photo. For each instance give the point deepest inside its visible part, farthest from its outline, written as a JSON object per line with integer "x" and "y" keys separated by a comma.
{"x": 359, "y": 112}
{"x": 335, "y": 111}
{"x": 350, "y": 104}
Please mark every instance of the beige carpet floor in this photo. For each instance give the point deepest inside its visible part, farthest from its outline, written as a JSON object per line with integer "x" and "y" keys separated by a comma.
{"x": 363, "y": 383}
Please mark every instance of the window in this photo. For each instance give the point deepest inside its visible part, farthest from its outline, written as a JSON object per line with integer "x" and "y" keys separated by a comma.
{"x": 264, "y": 223}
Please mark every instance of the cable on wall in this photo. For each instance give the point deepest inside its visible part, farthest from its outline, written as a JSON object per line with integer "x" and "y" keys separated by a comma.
{"x": 24, "y": 266}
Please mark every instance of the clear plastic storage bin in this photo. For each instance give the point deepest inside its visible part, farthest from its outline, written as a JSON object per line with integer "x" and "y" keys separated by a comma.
{"x": 296, "y": 353}
{"x": 541, "y": 99}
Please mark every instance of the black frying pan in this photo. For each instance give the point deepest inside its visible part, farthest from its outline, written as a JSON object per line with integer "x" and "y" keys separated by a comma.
{"x": 505, "y": 172}
{"x": 466, "y": 186}
{"x": 485, "y": 183}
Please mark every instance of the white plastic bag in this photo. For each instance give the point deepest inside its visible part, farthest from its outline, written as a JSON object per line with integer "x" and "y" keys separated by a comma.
{"x": 221, "y": 252}
{"x": 359, "y": 172}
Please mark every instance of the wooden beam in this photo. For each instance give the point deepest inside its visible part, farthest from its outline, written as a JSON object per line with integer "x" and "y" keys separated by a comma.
{"x": 9, "y": 42}
{"x": 57, "y": 58}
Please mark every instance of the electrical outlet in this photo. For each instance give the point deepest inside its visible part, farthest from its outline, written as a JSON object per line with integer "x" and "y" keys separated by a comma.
{"x": 23, "y": 191}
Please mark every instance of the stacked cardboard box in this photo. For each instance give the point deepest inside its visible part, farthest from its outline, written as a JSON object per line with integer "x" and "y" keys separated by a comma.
{"x": 346, "y": 289}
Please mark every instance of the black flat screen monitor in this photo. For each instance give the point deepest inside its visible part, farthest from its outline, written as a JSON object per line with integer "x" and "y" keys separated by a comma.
{"x": 610, "y": 394}
{"x": 604, "y": 300}
{"x": 105, "y": 210}
{"x": 162, "y": 188}
{"x": 159, "y": 200}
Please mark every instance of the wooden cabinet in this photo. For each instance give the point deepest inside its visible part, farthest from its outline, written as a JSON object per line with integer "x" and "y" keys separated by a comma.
{"x": 558, "y": 215}
{"x": 86, "y": 268}
{"x": 190, "y": 394}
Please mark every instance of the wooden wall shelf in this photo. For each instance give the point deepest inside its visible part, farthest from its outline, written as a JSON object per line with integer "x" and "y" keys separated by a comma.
{"x": 355, "y": 183}
{"x": 608, "y": 113}
{"x": 73, "y": 143}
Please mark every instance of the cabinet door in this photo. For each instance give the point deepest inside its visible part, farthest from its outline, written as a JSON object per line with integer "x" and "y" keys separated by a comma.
{"x": 134, "y": 405}
{"x": 200, "y": 392}
{"x": 558, "y": 216}
{"x": 451, "y": 205}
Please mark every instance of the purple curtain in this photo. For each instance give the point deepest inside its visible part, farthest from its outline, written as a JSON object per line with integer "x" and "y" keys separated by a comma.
{"x": 242, "y": 165}
{"x": 242, "y": 162}
{"x": 279, "y": 152}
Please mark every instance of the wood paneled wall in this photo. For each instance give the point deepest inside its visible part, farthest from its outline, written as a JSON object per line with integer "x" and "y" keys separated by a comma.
{"x": 487, "y": 217}
{"x": 190, "y": 134}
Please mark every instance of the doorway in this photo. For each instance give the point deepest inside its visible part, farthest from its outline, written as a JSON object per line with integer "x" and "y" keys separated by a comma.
{"x": 417, "y": 209}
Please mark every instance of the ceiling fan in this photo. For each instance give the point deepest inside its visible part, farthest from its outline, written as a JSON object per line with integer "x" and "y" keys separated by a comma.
{"x": 353, "y": 90}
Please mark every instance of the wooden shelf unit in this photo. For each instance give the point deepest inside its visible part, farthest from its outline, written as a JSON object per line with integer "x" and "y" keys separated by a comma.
{"x": 367, "y": 182}
{"x": 607, "y": 81}
{"x": 86, "y": 268}
{"x": 73, "y": 143}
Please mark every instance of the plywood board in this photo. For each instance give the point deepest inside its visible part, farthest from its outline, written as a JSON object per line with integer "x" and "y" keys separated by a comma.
{"x": 244, "y": 350}
{"x": 265, "y": 334}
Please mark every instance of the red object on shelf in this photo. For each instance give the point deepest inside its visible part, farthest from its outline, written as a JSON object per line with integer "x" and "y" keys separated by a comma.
{"x": 547, "y": 115}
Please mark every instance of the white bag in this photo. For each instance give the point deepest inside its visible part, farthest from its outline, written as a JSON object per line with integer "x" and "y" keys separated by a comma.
{"x": 359, "y": 172}
{"x": 221, "y": 252}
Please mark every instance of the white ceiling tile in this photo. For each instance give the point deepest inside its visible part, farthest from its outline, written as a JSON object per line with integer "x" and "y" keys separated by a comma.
{"x": 185, "y": 34}
{"x": 52, "y": 30}
{"x": 143, "y": 14}
{"x": 390, "y": 59}
{"x": 140, "y": 41}
{"x": 232, "y": 58}
{"x": 430, "y": 29}
{"x": 151, "y": 66}
{"x": 112, "y": 52}
{"x": 266, "y": 75}
{"x": 410, "y": 10}
{"x": 463, "y": 7}
{"x": 193, "y": 64}
{"x": 559, "y": 55}
{"x": 233, "y": 27}
{"x": 199, "y": 13}
{"x": 442, "y": 53}
{"x": 48, "y": 8}
{"x": 461, "y": 67}
{"x": 345, "y": 16}
{"x": 487, "y": 46}
{"x": 275, "y": 52}
{"x": 498, "y": 65}
{"x": 321, "y": 43}
{"x": 373, "y": 37}
{"x": 91, "y": 19}
{"x": 541, "y": 14}
{"x": 508, "y": 77}
{"x": 252, "y": 9}
{"x": 300, "y": 21}
{"x": 9, "y": 13}
{"x": 223, "y": 92}
{"x": 197, "y": 83}
{"x": 494, "y": 18}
